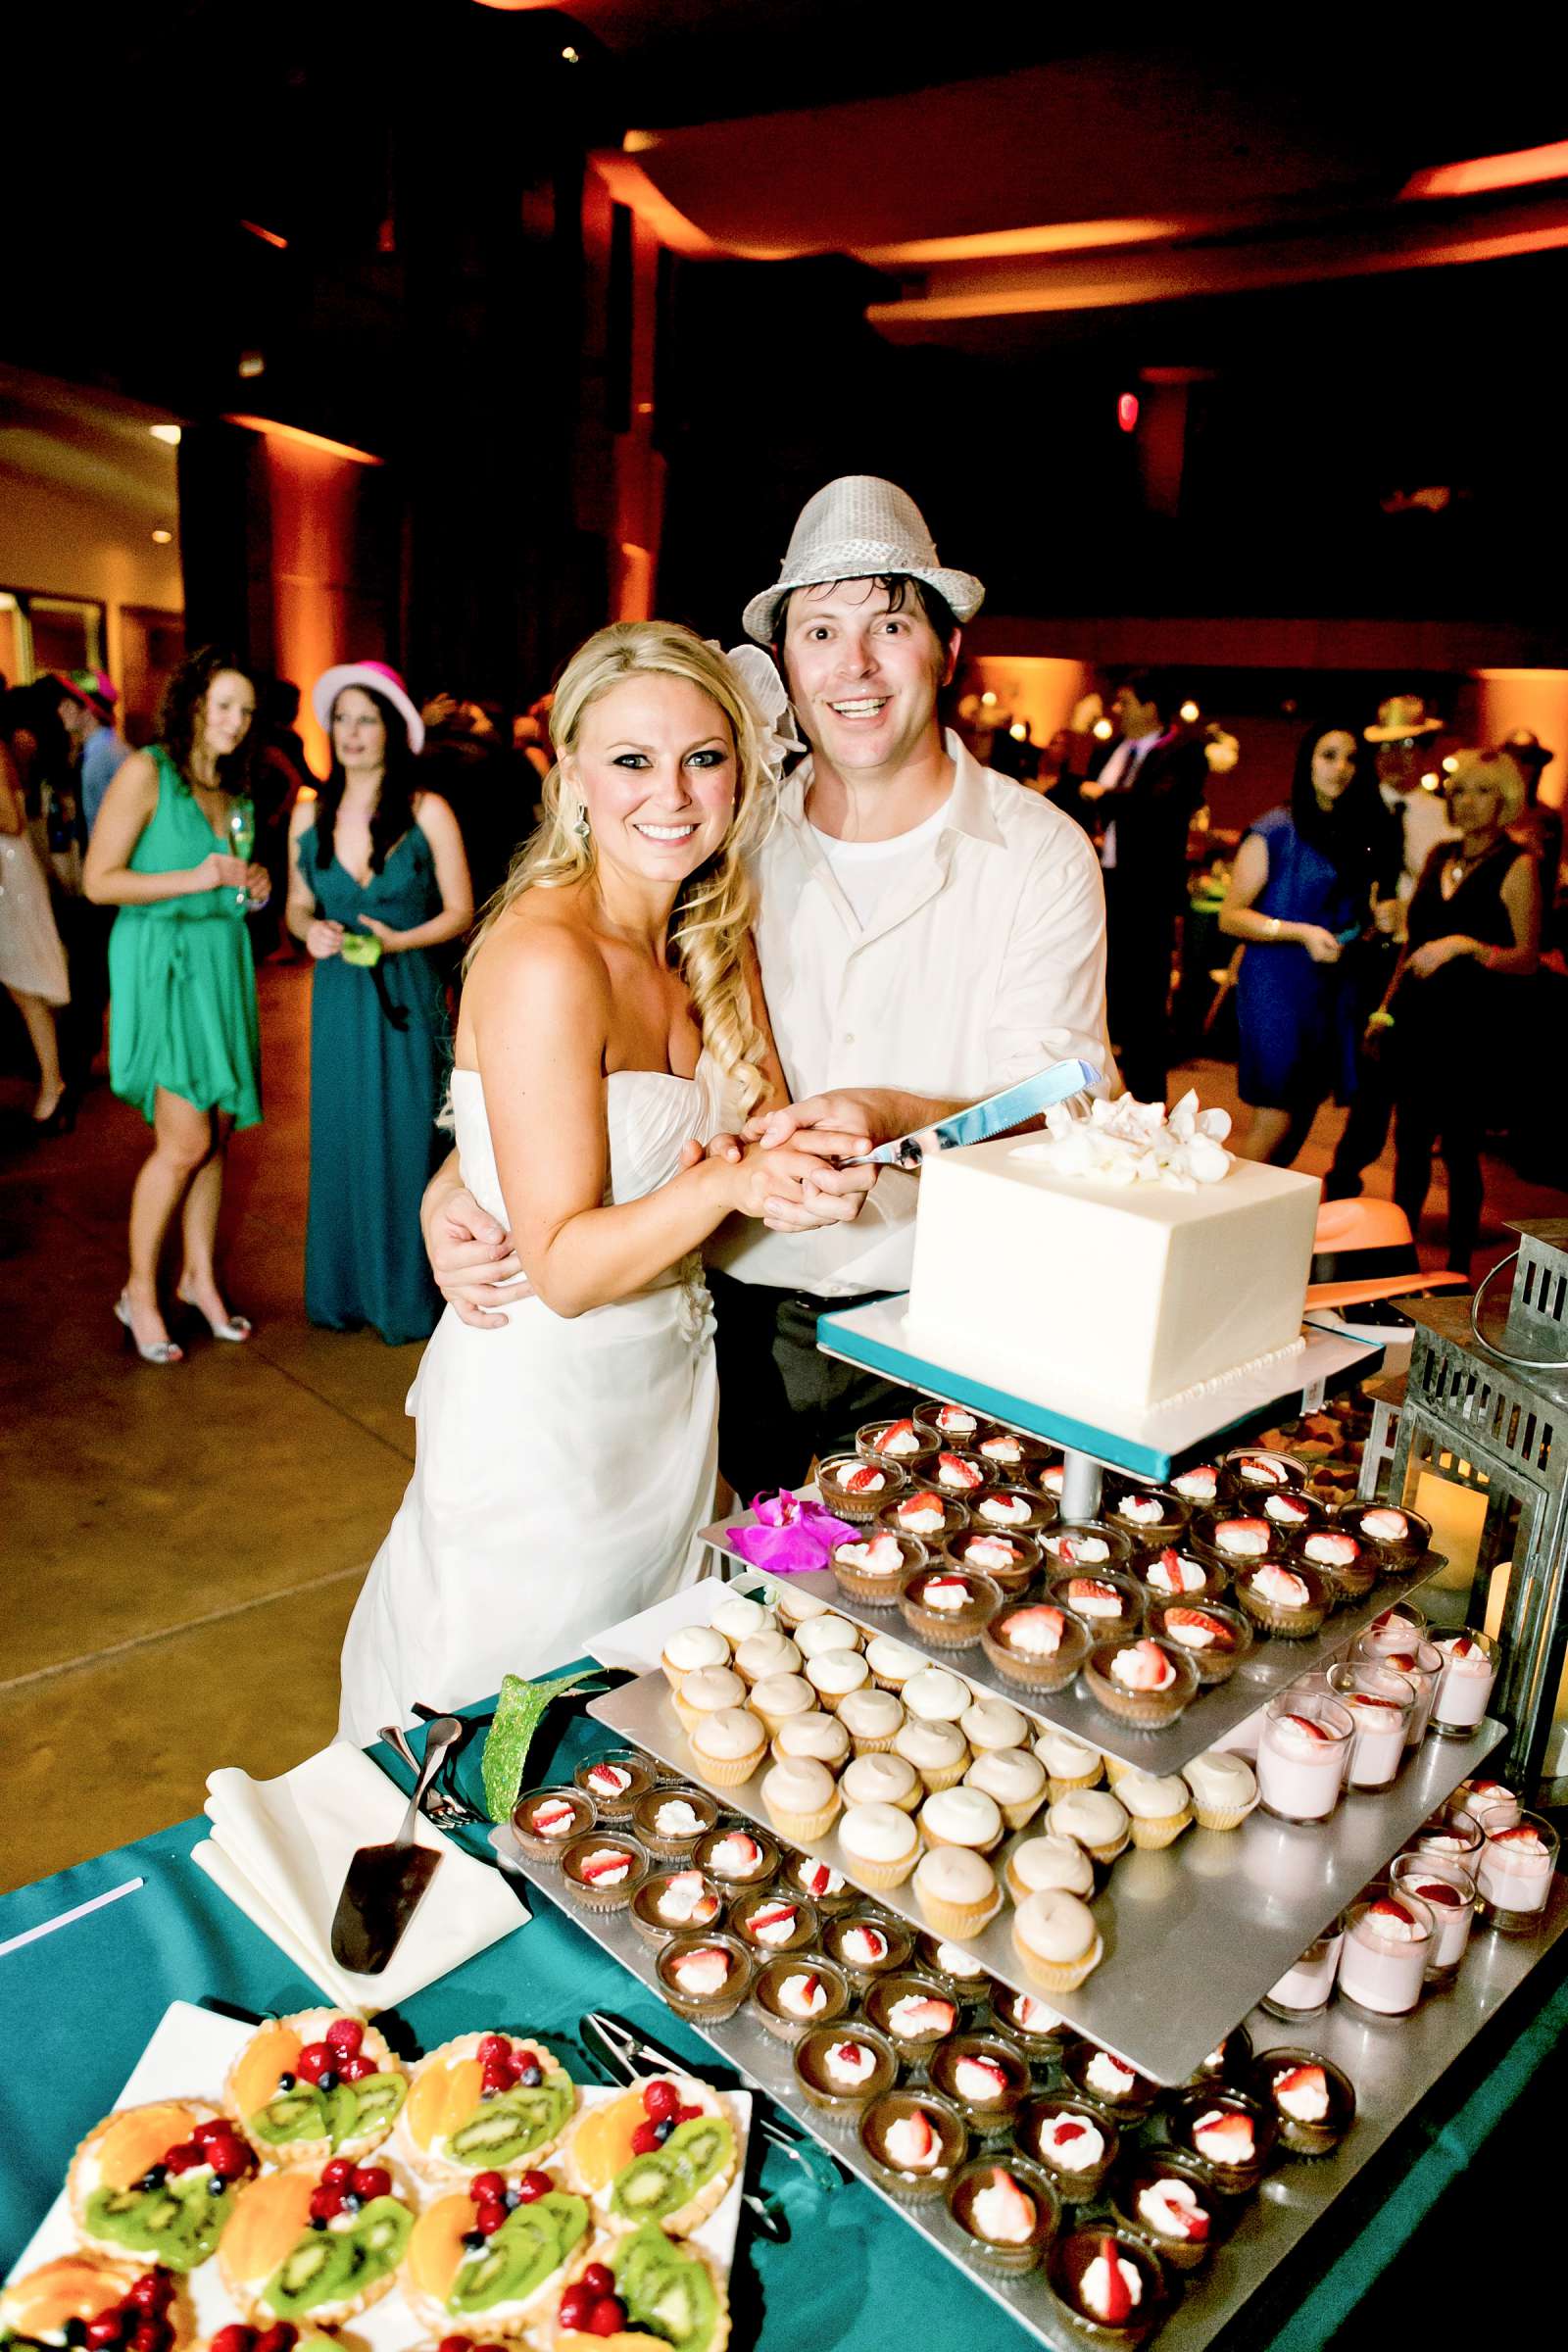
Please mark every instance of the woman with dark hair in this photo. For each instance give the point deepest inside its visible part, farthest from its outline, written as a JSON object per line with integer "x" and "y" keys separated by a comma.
{"x": 1300, "y": 893}
{"x": 378, "y": 878}
{"x": 184, "y": 1045}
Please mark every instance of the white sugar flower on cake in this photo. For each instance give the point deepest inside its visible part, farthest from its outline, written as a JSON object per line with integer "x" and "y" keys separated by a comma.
{"x": 1126, "y": 1142}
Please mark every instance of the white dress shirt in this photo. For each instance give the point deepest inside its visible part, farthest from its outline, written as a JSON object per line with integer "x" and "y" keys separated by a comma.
{"x": 985, "y": 963}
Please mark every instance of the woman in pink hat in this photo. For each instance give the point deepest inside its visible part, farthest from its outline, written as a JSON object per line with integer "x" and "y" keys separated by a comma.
{"x": 378, "y": 878}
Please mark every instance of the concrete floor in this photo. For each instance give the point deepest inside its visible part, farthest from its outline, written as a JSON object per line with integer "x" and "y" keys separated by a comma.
{"x": 182, "y": 1547}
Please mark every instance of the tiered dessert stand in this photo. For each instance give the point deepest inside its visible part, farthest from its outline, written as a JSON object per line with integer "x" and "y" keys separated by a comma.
{"x": 1197, "y": 1933}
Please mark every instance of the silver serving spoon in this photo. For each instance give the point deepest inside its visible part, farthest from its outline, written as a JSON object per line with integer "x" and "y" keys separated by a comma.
{"x": 385, "y": 1884}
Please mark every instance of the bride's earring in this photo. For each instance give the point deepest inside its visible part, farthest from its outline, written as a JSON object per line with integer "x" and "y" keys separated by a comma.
{"x": 583, "y": 827}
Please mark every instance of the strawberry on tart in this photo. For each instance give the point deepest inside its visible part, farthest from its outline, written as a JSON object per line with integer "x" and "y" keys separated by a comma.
{"x": 317, "y": 2083}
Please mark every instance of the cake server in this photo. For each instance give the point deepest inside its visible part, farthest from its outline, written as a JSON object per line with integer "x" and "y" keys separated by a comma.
{"x": 385, "y": 1884}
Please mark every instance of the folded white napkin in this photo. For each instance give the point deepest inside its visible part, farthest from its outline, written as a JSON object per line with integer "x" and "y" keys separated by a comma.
{"x": 280, "y": 1849}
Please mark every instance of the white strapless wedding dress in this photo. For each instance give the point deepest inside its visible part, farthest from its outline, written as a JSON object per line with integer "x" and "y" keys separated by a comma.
{"x": 562, "y": 1466}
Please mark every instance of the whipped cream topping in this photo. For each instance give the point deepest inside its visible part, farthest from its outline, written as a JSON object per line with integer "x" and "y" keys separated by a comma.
{"x": 1225, "y": 2135}
{"x": 912, "y": 2143}
{"x": 1465, "y": 1656}
{"x": 1243, "y": 1539}
{"x": 803, "y": 1993}
{"x": 1332, "y": 1551}
{"x": 1392, "y": 1923}
{"x": 1143, "y": 1666}
{"x": 955, "y": 1472}
{"x": 678, "y": 1819}
{"x": 1385, "y": 1526}
{"x": 920, "y": 2016}
{"x": 1281, "y": 1588}
{"x": 921, "y": 1514}
{"x": 1200, "y": 1484}
{"x": 1302, "y": 2092}
{"x": 1001, "y": 2213}
{"x": 1173, "y": 2208}
{"x": 817, "y": 1879}
{"x": 1176, "y": 1572}
{"x": 701, "y": 1972}
{"x": 1087, "y": 1598}
{"x": 1033, "y": 2015}
{"x": 1143, "y": 1511}
{"x": 554, "y": 1818}
{"x": 863, "y": 1947}
{"x": 1109, "y": 2077}
{"x": 1054, "y": 1477}
{"x": 736, "y": 1856}
{"x": 991, "y": 1552}
{"x": 1263, "y": 1470}
{"x": 981, "y": 2081}
{"x": 849, "y": 2064}
{"x": 685, "y": 1898}
{"x": 608, "y": 1779}
{"x": 1110, "y": 2285}
{"x": 880, "y": 1557}
{"x": 899, "y": 1438}
{"x": 1002, "y": 1449}
{"x": 1127, "y": 1143}
{"x": 955, "y": 1419}
{"x": 1079, "y": 1552}
{"x": 1072, "y": 2142}
{"x": 772, "y": 1924}
{"x": 946, "y": 1593}
{"x": 1006, "y": 1510}
{"x": 1287, "y": 1509}
{"x": 1036, "y": 1630}
{"x": 605, "y": 1866}
{"x": 1195, "y": 1629}
{"x": 958, "y": 1962}
{"x": 863, "y": 1479}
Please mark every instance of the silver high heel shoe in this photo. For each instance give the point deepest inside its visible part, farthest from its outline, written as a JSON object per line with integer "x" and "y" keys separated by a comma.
{"x": 162, "y": 1351}
{"x": 236, "y": 1328}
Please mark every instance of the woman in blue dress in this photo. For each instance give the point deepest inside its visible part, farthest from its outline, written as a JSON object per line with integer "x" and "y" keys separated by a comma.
{"x": 378, "y": 878}
{"x": 1301, "y": 895}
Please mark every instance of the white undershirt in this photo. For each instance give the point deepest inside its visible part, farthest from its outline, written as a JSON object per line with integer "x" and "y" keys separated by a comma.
{"x": 872, "y": 873}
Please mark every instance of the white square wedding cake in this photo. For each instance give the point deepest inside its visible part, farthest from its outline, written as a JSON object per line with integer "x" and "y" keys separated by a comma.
{"x": 1124, "y": 1256}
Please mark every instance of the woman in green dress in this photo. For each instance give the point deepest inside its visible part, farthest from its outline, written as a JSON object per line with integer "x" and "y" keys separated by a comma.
{"x": 378, "y": 878}
{"x": 184, "y": 1040}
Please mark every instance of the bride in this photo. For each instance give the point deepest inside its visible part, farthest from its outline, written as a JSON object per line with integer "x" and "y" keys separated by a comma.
{"x": 611, "y": 1020}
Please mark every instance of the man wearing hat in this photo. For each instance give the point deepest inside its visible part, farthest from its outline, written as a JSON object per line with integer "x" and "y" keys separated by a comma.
{"x": 928, "y": 931}
{"x": 87, "y": 702}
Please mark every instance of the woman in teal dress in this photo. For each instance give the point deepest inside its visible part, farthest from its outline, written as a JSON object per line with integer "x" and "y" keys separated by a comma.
{"x": 184, "y": 1040}
{"x": 377, "y": 870}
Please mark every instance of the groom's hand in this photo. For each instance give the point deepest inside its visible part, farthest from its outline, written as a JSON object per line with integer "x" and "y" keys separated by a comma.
{"x": 475, "y": 1267}
{"x": 843, "y": 1125}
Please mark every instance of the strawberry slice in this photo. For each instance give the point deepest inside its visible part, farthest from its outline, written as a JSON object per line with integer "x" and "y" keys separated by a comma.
{"x": 866, "y": 1947}
{"x": 1010, "y": 2214}
{"x": 980, "y": 2079}
{"x": 1141, "y": 1666}
{"x": 808, "y": 1985}
{"x": 608, "y": 1779}
{"x": 946, "y": 1593}
{"x": 1317, "y": 1733}
{"x": 898, "y": 1437}
{"x": 1116, "y": 2299}
{"x": 1302, "y": 2091}
{"x": 955, "y": 1417}
{"x": 1225, "y": 2136}
{"x": 552, "y": 1817}
{"x": 1257, "y": 1470}
{"x": 954, "y": 1471}
{"x": 702, "y": 1972}
{"x": 1087, "y": 1594}
{"x": 1195, "y": 1629}
{"x": 769, "y": 1916}
{"x": 919, "y": 2014}
{"x": 864, "y": 1478}
{"x": 606, "y": 1865}
{"x": 816, "y": 1878}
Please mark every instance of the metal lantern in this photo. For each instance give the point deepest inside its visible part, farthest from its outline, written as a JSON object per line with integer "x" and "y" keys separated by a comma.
{"x": 1482, "y": 1451}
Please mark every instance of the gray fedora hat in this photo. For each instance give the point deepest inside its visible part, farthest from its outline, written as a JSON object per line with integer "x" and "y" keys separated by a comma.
{"x": 859, "y": 528}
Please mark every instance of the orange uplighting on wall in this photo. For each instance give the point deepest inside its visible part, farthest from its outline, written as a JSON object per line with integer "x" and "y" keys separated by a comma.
{"x": 1524, "y": 168}
{"x": 313, "y": 491}
{"x": 297, "y": 435}
{"x": 1127, "y": 411}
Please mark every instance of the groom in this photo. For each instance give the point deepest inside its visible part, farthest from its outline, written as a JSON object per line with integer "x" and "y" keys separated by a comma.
{"x": 928, "y": 932}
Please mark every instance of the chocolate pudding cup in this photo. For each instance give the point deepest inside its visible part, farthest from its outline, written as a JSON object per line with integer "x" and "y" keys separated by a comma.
{"x": 1075, "y": 2184}
{"x": 746, "y": 1909}
{"x": 913, "y": 1459}
{"x": 1144, "y": 2171}
{"x": 1156, "y": 1516}
{"x": 942, "y": 1628}
{"x": 1070, "y": 2258}
{"x": 1392, "y": 1550}
{"x": 770, "y": 1990}
{"x": 650, "y": 1922}
{"x": 1010, "y": 2256}
{"x": 913, "y": 2046}
{"x": 1127, "y": 2107}
{"x": 842, "y": 2104}
{"x": 1303, "y": 2135}
{"x": 605, "y": 1894}
{"x": 858, "y": 1501}
{"x": 1011, "y": 1577}
{"x": 925, "y": 1501}
{"x": 704, "y": 2005}
{"x": 548, "y": 1847}
{"x": 616, "y": 1805}
{"x": 878, "y": 1587}
{"x": 1101, "y": 1629}
{"x": 676, "y": 1844}
{"x": 863, "y": 1973}
{"x": 988, "y": 2116}
{"x": 1213, "y": 1661}
{"x": 912, "y": 2185}
{"x": 1235, "y": 2174}
{"x": 1242, "y": 1476}
{"x": 1035, "y": 1669}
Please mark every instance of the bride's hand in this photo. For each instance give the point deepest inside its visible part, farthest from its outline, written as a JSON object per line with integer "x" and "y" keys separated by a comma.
{"x": 828, "y": 1196}
{"x": 760, "y": 1180}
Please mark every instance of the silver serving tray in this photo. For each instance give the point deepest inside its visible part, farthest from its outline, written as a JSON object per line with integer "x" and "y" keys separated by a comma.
{"x": 1393, "y": 2067}
{"x": 1269, "y": 1666}
{"x": 1195, "y": 1934}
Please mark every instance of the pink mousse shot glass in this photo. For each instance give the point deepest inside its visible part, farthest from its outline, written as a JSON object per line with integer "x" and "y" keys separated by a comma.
{"x": 1422, "y": 1663}
{"x": 1302, "y": 1754}
{"x": 1380, "y": 1702}
{"x": 1513, "y": 1872}
{"x": 1449, "y": 1890}
{"x": 1388, "y": 1944}
{"x": 1464, "y": 1683}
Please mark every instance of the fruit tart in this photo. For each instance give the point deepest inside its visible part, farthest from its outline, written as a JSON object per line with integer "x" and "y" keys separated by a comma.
{"x": 123, "y": 2303}
{"x": 489, "y": 2259}
{"x": 645, "y": 2291}
{"x": 484, "y": 2102}
{"x": 665, "y": 2151}
{"x": 316, "y": 2084}
{"x": 156, "y": 2183}
{"x": 316, "y": 2248}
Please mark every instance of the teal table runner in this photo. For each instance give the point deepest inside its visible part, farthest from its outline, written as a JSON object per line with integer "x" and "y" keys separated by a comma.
{"x": 78, "y": 2007}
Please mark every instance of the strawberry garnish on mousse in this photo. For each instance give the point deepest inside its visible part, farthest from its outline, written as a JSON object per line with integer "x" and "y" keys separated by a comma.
{"x": 954, "y": 1471}
{"x": 1309, "y": 1733}
{"x": 1037, "y": 1630}
{"x": 1304, "y": 2092}
{"x": 911, "y": 2140}
{"x": 1090, "y": 1597}
{"x": 554, "y": 1818}
{"x": 864, "y": 1478}
{"x": 1244, "y": 1536}
{"x": 1385, "y": 1526}
{"x": 980, "y": 2078}
{"x": 899, "y": 1436}
{"x": 946, "y": 1593}
{"x": 608, "y": 1779}
{"x": 773, "y": 1922}
{"x": 1112, "y": 2298}
{"x": 1393, "y": 1919}
{"x": 1143, "y": 1666}
{"x": 919, "y": 2014}
{"x": 606, "y": 1866}
{"x": 866, "y": 1947}
{"x": 1225, "y": 2136}
{"x": 1195, "y": 1629}
{"x": 702, "y": 1972}
{"x": 1172, "y": 2208}
{"x": 955, "y": 1417}
{"x": 816, "y": 1878}
{"x": 1282, "y": 1588}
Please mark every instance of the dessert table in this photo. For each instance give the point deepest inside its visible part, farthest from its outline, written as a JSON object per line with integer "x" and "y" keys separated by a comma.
{"x": 79, "y": 2003}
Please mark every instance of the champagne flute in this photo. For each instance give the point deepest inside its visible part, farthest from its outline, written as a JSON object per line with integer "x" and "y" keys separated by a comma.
{"x": 242, "y": 840}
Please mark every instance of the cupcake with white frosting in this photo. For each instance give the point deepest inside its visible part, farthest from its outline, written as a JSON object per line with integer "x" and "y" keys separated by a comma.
{"x": 1014, "y": 1778}
{"x": 880, "y": 1844}
{"x": 872, "y": 1718}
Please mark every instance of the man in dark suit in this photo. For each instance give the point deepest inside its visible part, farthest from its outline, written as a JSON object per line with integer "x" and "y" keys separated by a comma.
{"x": 1144, "y": 800}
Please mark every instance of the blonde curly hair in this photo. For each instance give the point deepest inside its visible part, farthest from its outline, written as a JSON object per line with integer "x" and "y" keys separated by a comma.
{"x": 712, "y": 912}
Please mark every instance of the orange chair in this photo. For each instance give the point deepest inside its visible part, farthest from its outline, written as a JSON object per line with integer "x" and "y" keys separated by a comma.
{"x": 1364, "y": 1249}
